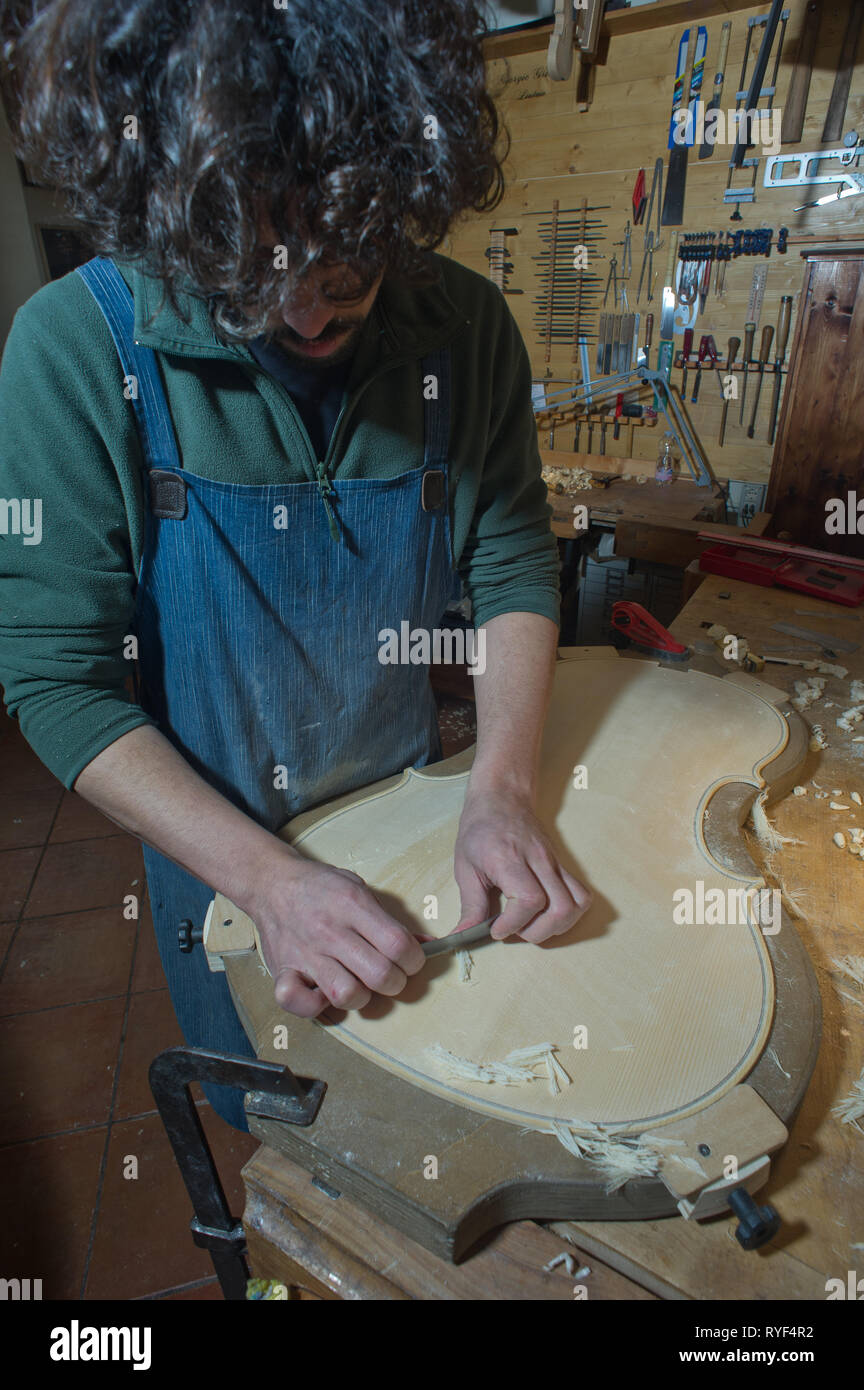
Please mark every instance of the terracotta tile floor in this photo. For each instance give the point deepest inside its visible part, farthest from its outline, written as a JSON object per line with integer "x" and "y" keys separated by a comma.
{"x": 83, "y": 1011}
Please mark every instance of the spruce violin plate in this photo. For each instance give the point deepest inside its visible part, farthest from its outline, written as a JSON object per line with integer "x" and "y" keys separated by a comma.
{"x": 666, "y": 1017}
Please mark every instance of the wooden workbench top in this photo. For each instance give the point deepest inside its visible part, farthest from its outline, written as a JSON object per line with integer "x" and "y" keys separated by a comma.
{"x": 817, "y": 1180}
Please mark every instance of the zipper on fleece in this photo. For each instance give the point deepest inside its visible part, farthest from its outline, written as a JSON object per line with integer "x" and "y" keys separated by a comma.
{"x": 325, "y": 491}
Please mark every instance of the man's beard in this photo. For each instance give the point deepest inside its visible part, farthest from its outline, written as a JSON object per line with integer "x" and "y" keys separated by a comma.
{"x": 286, "y": 339}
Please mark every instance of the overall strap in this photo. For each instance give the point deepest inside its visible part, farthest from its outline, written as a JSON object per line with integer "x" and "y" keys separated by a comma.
{"x": 436, "y": 412}
{"x": 114, "y": 298}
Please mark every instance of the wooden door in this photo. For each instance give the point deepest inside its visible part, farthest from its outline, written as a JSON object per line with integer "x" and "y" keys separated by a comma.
{"x": 819, "y": 454}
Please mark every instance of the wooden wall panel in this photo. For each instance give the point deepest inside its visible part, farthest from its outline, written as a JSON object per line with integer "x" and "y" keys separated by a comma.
{"x": 820, "y": 443}
{"x": 558, "y": 152}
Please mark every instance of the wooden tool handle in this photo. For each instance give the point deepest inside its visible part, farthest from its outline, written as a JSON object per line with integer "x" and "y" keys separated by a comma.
{"x": 783, "y": 328}
{"x": 765, "y": 347}
{"x": 795, "y": 104}
{"x": 724, "y": 50}
{"x": 649, "y": 330}
{"x": 732, "y": 350}
{"x": 749, "y": 334}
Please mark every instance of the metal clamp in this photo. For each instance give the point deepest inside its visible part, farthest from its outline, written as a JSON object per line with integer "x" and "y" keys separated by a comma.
{"x": 274, "y": 1093}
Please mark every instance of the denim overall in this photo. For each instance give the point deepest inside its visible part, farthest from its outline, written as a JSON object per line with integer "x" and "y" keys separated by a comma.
{"x": 257, "y": 616}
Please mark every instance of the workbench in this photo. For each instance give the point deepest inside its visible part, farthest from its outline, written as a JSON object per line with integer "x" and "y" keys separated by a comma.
{"x": 302, "y": 1233}
{"x": 817, "y": 1179}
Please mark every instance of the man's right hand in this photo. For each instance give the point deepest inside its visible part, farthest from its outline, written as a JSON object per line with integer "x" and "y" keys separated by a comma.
{"x": 327, "y": 940}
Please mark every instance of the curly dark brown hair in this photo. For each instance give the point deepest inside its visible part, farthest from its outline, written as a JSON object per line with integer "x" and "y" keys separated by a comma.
{"x": 307, "y": 118}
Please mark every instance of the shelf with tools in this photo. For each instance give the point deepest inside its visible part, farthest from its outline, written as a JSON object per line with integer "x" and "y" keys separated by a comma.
{"x": 595, "y": 158}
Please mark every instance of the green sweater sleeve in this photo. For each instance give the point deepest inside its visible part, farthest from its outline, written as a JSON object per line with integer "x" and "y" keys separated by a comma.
{"x": 510, "y": 559}
{"x": 66, "y": 602}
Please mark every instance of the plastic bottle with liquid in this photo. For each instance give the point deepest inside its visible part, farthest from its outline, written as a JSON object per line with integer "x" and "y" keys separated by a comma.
{"x": 667, "y": 462}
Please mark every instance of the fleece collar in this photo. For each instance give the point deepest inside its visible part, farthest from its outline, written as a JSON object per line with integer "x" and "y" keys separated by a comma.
{"x": 405, "y": 320}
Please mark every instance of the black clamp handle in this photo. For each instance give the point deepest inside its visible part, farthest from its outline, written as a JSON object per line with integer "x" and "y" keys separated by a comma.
{"x": 756, "y": 1225}
{"x": 189, "y": 936}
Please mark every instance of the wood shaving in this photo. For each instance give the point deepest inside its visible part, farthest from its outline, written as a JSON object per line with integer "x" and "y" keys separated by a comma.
{"x": 841, "y": 672}
{"x": 837, "y": 806}
{"x": 465, "y": 961}
{"x": 850, "y": 997}
{"x": 791, "y": 903}
{"x": 851, "y": 1108}
{"x": 618, "y": 1159}
{"x": 818, "y": 740}
{"x": 799, "y": 791}
{"x": 766, "y": 833}
{"x": 772, "y": 1053}
{"x": 856, "y": 797}
{"x": 839, "y": 839}
{"x": 516, "y": 1069}
{"x": 853, "y": 966}
{"x": 850, "y": 717}
{"x": 567, "y": 1261}
{"x": 808, "y": 692}
{"x": 856, "y": 692}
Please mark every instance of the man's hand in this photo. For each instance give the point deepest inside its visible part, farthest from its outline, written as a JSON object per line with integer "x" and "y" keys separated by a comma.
{"x": 502, "y": 845}
{"x": 327, "y": 940}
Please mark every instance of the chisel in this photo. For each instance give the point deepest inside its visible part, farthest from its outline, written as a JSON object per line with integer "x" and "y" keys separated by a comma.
{"x": 706, "y": 149}
{"x": 779, "y": 354}
{"x": 764, "y": 354}
{"x": 649, "y": 337}
{"x": 749, "y": 333}
{"x": 731, "y": 354}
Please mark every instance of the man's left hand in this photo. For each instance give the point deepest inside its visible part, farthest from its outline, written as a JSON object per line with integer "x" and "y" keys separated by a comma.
{"x": 502, "y": 845}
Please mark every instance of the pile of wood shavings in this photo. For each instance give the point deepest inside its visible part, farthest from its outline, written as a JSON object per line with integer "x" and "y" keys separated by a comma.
{"x": 516, "y": 1069}
{"x": 567, "y": 479}
{"x": 618, "y": 1159}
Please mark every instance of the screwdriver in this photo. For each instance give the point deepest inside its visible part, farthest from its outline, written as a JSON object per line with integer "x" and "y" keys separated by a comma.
{"x": 749, "y": 332}
{"x": 779, "y": 354}
{"x": 731, "y": 354}
{"x": 764, "y": 354}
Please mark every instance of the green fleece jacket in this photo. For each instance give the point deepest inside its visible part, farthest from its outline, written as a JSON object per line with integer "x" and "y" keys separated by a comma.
{"x": 68, "y": 438}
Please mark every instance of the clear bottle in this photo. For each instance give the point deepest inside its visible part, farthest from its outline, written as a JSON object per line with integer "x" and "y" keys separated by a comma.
{"x": 667, "y": 462}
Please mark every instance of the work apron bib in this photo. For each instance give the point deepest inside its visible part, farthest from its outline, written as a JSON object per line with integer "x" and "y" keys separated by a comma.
{"x": 258, "y": 641}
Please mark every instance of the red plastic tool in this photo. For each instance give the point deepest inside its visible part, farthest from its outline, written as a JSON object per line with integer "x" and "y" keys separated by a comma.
{"x": 639, "y": 627}
{"x": 757, "y": 560}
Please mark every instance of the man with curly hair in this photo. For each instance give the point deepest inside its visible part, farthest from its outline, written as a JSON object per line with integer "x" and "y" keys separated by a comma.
{"x": 267, "y": 422}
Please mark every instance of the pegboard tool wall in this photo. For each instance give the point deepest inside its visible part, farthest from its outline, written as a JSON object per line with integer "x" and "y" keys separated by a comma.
{"x": 559, "y": 152}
